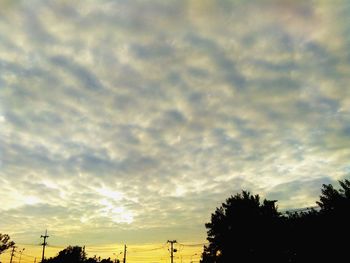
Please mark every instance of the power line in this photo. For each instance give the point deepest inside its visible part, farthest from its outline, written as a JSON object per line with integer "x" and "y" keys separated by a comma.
{"x": 6, "y": 252}
{"x": 53, "y": 246}
{"x": 28, "y": 244}
{"x": 135, "y": 253}
{"x": 26, "y": 255}
{"x": 194, "y": 245}
{"x": 136, "y": 250}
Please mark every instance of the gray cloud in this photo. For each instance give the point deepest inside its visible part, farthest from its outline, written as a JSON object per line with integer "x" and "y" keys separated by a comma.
{"x": 87, "y": 78}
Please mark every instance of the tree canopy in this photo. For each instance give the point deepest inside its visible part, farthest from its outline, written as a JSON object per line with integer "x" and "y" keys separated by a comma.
{"x": 76, "y": 254}
{"x": 235, "y": 227}
{"x": 244, "y": 229}
{"x": 335, "y": 201}
{"x": 5, "y": 242}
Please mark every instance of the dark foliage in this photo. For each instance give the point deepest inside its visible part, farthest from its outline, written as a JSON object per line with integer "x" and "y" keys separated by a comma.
{"x": 76, "y": 254}
{"x": 71, "y": 254}
{"x": 239, "y": 229}
{"x": 5, "y": 242}
{"x": 244, "y": 229}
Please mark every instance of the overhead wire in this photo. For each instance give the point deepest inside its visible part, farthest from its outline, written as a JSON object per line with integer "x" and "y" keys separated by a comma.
{"x": 134, "y": 253}
{"x": 26, "y": 255}
{"x": 194, "y": 245}
{"x": 146, "y": 249}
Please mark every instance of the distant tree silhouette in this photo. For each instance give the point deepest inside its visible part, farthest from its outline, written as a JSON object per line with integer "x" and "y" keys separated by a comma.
{"x": 76, "y": 254}
{"x": 71, "y": 254}
{"x": 5, "y": 242}
{"x": 91, "y": 260}
{"x": 106, "y": 260}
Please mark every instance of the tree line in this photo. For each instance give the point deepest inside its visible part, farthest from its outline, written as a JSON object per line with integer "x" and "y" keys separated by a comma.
{"x": 77, "y": 254}
{"x": 71, "y": 254}
{"x": 246, "y": 229}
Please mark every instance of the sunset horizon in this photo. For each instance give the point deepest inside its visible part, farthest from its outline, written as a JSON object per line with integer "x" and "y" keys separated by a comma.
{"x": 131, "y": 122}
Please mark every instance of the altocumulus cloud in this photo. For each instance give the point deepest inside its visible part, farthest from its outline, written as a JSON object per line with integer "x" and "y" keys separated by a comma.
{"x": 135, "y": 119}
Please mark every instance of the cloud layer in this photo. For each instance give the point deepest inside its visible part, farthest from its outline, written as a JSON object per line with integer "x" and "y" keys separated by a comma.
{"x": 136, "y": 119}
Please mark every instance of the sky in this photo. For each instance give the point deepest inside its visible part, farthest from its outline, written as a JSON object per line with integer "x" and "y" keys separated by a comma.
{"x": 131, "y": 121}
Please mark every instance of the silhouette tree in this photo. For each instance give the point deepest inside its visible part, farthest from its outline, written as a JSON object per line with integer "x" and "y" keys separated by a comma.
{"x": 71, "y": 254}
{"x": 91, "y": 260}
{"x": 302, "y": 236}
{"x": 334, "y": 201}
{"x": 333, "y": 221}
{"x": 5, "y": 242}
{"x": 245, "y": 229}
{"x": 106, "y": 260}
{"x": 76, "y": 254}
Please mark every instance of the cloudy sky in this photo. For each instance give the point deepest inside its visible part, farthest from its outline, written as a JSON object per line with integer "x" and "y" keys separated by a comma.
{"x": 130, "y": 121}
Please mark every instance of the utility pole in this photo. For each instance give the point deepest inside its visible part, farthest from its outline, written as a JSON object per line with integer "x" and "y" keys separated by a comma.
{"x": 12, "y": 253}
{"x": 192, "y": 256}
{"x": 44, "y": 244}
{"x": 124, "y": 258}
{"x": 172, "y": 250}
{"x": 20, "y": 255}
